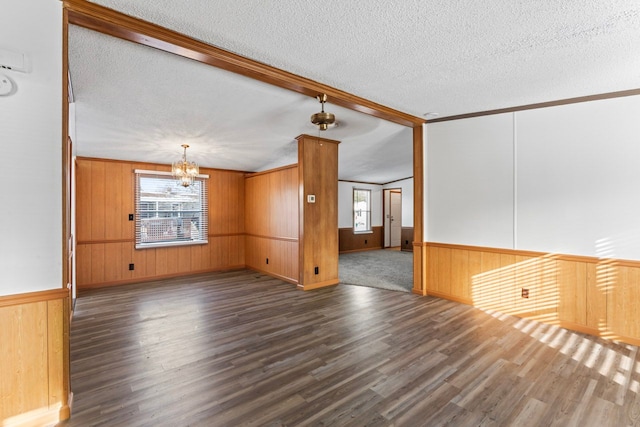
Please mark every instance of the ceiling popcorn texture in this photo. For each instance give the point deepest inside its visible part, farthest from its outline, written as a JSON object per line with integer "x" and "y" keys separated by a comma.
{"x": 414, "y": 56}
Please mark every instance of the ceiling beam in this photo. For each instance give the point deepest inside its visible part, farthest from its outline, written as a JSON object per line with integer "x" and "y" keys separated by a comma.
{"x": 111, "y": 22}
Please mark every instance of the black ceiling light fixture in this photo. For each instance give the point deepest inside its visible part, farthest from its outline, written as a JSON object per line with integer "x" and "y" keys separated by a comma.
{"x": 322, "y": 119}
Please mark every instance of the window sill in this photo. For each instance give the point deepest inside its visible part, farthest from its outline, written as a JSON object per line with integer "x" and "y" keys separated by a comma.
{"x": 170, "y": 244}
{"x": 363, "y": 232}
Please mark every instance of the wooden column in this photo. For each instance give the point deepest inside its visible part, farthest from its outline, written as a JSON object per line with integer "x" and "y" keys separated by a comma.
{"x": 419, "y": 249}
{"x": 318, "y": 177}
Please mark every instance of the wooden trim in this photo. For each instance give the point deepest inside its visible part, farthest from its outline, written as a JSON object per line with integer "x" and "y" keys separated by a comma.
{"x": 397, "y": 180}
{"x": 332, "y": 282}
{"x": 66, "y": 165}
{"x": 599, "y": 333}
{"x": 620, "y": 338}
{"x": 566, "y": 101}
{"x": 111, "y": 22}
{"x": 158, "y": 277}
{"x": 579, "y": 328}
{"x": 254, "y": 174}
{"x": 132, "y": 162}
{"x": 226, "y": 234}
{"x": 37, "y": 417}
{"x": 316, "y": 138}
{"x": 100, "y": 242}
{"x": 64, "y": 412}
{"x": 283, "y": 239}
{"x": 359, "y": 182}
{"x": 419, "y": 256}
{"x": 561, "y": 257}
{"x": 377, "y": 248}
{"x": 448, "y": 297}
{"x": 31, "y": 297}
{"x": 301, "y": 209}
{"x": 276, "y": 275}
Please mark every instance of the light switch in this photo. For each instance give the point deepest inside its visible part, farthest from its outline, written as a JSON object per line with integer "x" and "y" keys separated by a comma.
{"x": 311, "y": 198}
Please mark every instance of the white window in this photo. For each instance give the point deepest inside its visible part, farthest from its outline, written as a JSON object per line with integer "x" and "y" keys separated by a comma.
{"x": 361, "y": 210}
{"x": 168, "y": 214}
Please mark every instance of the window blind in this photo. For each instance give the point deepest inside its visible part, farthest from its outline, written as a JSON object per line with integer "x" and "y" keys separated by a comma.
{"x": 168, "y": 214}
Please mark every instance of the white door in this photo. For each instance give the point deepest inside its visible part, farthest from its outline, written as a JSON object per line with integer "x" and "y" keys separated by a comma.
{"x": 396, "y": 218}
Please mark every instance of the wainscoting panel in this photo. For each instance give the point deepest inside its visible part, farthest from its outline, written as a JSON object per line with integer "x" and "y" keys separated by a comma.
{"x": 105, "y": 264}
{"x": 591, "y": 295}
{"x": 352, "y": 242}
{"x": 33, "y": 376}
{"x": 282, "y": 256}
{"x": 407, "y": 239}
{"x": 271, "y": 200}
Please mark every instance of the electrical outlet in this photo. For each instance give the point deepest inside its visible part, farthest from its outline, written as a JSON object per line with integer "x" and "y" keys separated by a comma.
{"x": 316, "y": 270}
{"x": 525, "y": 293}
{"x": 130, "y": 217}
{"x": 365, "y": 241}
{"x": 131, "y": 267}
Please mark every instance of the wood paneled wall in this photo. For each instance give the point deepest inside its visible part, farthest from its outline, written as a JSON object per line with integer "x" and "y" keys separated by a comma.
{"x": 105, "y": 235}
{"x": 271, "y": 201}
{"x": 354, "y": 242}
{"x": 591, "y": 295}
{"x": 34, "y": 388}
{"x": 406, "y": 236}
{"x": 318, "y": 175}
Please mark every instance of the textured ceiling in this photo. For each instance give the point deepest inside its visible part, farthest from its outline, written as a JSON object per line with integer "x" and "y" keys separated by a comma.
{"x": 414, "y": 56}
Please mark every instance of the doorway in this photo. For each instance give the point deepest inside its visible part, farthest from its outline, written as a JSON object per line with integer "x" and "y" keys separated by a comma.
{"x": 392, "y": 218}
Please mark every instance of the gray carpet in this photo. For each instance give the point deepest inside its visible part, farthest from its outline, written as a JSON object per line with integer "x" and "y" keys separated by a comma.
{"x": 383, "y": 269}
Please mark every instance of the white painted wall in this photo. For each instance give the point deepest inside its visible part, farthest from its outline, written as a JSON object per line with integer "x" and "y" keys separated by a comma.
{"x": 30, "y": 131}
{"x": 560, "y": 179}
{"x": 406, "y": 185}
{"x": 345, "y": 203}
{"x": 579, "y": 178}
{"x": 470, "y": 181}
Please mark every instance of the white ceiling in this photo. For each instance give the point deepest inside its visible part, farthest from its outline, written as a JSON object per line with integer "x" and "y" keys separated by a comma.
{"x": 133, "y": 102}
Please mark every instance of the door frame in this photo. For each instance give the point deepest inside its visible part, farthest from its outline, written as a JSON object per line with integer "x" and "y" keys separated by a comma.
{"x": 386, "y": 211}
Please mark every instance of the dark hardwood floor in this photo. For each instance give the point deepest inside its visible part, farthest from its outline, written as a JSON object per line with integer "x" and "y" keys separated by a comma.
{"x": 241, "y": 348}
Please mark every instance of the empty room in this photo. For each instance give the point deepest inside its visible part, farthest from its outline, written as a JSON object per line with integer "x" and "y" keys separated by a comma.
{"x": 392, "y": 213}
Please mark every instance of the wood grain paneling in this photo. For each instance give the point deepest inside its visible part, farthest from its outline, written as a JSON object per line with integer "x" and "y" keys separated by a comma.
{"x": 419, "y": 253}
{"x": 318, "y": 175}
{"x": 623, "y": 297}
{"x": 277, "y": 258}
{"x": 271, "y": 200}
{"x": 406, "y": 236}
{"x": 105, "y": 235}
{"x": 34, "y": 336}
{"x": 596, "y": 296}
{"x": 272, "y": 203}
{"x": 348, "y": 241}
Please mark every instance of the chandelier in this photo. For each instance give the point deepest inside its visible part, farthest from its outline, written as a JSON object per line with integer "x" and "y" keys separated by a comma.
{"x": 184, "y": 171}
{"x": 322, "y": 119}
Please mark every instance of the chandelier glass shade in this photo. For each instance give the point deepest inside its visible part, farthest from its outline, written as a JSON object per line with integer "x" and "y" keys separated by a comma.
{"x": 183, "y": 170}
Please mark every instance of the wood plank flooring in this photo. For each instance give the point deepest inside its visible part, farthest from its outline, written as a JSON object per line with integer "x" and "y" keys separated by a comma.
{"x": 241, "y": 348}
